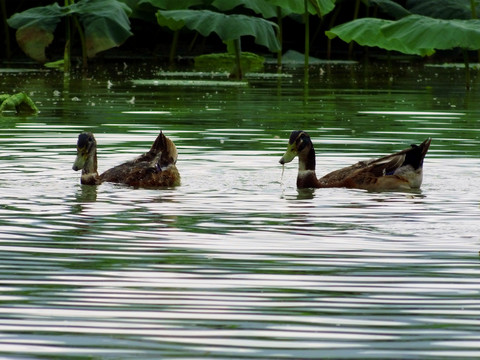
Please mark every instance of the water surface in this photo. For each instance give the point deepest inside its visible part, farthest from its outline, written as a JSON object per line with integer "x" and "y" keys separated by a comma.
{"x": 236, "y": 262}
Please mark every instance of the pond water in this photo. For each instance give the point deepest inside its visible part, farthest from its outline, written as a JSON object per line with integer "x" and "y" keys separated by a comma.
{"x": 236, "y": 263}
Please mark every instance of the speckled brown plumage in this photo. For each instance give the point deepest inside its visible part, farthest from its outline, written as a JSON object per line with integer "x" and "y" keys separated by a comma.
{"x": 154, "y": 169}
{"x": 401, "y": 170}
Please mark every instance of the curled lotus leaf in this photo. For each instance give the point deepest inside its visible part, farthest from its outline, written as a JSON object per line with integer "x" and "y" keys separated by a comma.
{"x": 368, "y": 32}
{"x": 319, "y": 7}
{"x": 35, "y": 29}
{"x": 105, "y": 23}
{"x": 420, "y": 32}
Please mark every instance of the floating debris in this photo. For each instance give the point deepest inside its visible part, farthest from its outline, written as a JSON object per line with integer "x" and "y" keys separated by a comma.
{"x": 182, "y": 82}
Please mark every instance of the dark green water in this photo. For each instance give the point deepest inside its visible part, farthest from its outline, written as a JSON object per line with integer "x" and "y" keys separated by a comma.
{"x": 236, "y": 263}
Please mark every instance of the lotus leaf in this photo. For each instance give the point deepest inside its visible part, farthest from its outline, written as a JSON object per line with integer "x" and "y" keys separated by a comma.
{"x": 422, "y": 32}
{"x": 172, "y": 4}
{"x": 105, "y": 26}
{"x": 368, "y": 32}
{"x": 35, "y": 29}
{"x": 442, "y": 9}
{"x": 391, "y": 8}
{"x": 262, "y": 7}
{"x": 227, "y": 27}
{"x": 105, "y": 23}
{"x": 319, "y": 7}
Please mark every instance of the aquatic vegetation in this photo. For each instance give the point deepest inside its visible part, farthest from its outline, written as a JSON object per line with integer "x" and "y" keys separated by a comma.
{"x": 230, "y": 28}
{"x": 368, "y": 32}
{"x": 19, "y": 102}
{"x": 226, "y": 62}
{"x": 418, "y": 34}
{"x": 101, "y": 25}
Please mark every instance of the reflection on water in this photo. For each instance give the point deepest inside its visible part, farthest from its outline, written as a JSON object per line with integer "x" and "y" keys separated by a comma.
{"x": 236, "y": 262}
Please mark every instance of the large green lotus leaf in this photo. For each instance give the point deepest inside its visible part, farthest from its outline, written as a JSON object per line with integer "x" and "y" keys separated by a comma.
{"x": 35, "y": 29}
{"x": 319, "y": 7}
{"x": 421, "y": 32}
{"x": 442, "y": 9}
{"x": 368, "y": 32}
{"x": 173, "y": 4}
{"x": 227, "y": 27}
{"x": 262, "y": 7}
{"x": 144, "y": 12}
{"x": 105, "y": 22}
{"x": 391, "y": 8}
{"x": 33, "y": 41}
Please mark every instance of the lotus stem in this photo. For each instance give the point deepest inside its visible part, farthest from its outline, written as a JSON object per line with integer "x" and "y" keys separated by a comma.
{"x": 307, "y": 41}
{"x": 238, "y": 59}
{"x": 355, "y": 16}
{"x": 8, "y": 52}
{"x": 81, "y": 34}
{"x": 473, "y": 9}
{"x": 474, "y": 16}
{"x": 173, "y": 48}
{"x": 279, "y": 37}
{"x": 66, "y": 53}
{"x": 467, "y": 69}
{"x": 329, "y": 41}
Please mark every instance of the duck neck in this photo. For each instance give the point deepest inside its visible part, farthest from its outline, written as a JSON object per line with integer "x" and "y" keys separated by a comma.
{"x": 306, "y": 170}
{"x": 89, "y": 171}
{"x": 306, "y": 162}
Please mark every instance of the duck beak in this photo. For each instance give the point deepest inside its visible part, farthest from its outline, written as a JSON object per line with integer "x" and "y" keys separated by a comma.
{"x": 79, "y": 161}
{"x": 289, "y": 155}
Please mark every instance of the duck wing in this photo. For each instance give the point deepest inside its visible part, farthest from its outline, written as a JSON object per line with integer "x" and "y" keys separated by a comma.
{"x": 155, "y": 168}
{"x": 401, "y": 169}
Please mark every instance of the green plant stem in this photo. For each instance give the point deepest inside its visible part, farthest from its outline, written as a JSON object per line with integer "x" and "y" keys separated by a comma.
{"x": 279, "y": 37}
{"x": 66, "y": 53}
{"x": 473, "y": 9}
{"x": 307, "y": 41}
{"x": 355, "y": 16}
{"x": 467, "y": 69}
{"x": 173, "y": 48}
{"x": 68, "y": 37}
{"x": 81, "y": 34}
{"x": 8, "y": 52}
{"x": 238, "y": 59}
{"x": 329, "y": 41}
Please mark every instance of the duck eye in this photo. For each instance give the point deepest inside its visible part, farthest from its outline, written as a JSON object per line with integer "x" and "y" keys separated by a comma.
{"x": 301, "y": 143}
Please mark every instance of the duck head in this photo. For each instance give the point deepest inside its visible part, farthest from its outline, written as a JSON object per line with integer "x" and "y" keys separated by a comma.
{"x": 299, "y": 145}
{"x": 86, "y": 159}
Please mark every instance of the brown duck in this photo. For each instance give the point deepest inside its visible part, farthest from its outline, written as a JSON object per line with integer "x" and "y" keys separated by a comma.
{"x": 156, "y": 168}
{"x": 398, "y": 171}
